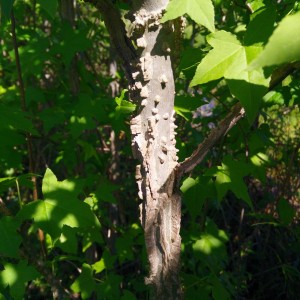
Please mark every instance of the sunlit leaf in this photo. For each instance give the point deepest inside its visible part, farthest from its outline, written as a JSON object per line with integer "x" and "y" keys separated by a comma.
{"x": 124, "y": 106}
{"x": 60, "y": 207}
{"x": 99, "y": 266}
{"x": 229, "y": 59}
{"x": 16, "y": 277}
{"x": 201, "y": 11}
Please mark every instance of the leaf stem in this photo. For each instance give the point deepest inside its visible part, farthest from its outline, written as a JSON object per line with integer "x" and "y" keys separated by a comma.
{"x": 19, "y": 194}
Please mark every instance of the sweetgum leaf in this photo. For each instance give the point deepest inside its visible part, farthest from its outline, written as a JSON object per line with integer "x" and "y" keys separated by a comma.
{"x": 49, "y": 6}
{"x": 229, "y": 176}
{"x": 261, "y": 26}
{"x": 60, "y": 207}
{"x": 16, "y": 277}
{"x": 201, "y": 11}
{"x": 85, "y": 283}
{"x": 230, "y": 59}
{"x": 284, "y": 44}
{"x": 10, "y": 240}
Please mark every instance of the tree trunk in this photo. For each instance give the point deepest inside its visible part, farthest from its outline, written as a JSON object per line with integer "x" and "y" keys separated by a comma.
{"x": 149, "y": 70}
{"x": 153, "y": 143}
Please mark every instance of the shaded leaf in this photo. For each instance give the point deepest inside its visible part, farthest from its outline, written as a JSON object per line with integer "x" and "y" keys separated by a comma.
{"x": 127, "y": 295}
{"x": 85, "y": 283}
{"x": 67, "y": 240}
{"x": 283, "y": 46}
{"x": 10, "y": 239}
{"x": 219, "y": 292}
{"x": 286, "y": 211}
{"x": 5, "y": 7}
{"x": 261, "y": 26}
{"x": 49, "y": 6}
{"x": 229, "y": 176}
{"x": 195, "y": 192}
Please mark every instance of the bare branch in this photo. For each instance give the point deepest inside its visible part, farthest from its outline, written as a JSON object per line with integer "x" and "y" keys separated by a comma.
{"x": 236, "y": 113}
{"x": 117, "y": 32}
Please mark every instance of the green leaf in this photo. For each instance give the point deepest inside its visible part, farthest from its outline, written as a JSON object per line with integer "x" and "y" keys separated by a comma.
{"x": 67, "y": 240}
{"x": 207, "y": 244}
{"x": 229, "y": 59}
{"x": 70, "y": 41}
{"x": 60, "y": 207}
{"x": 127, "y": 295}
{"x": 99, "y": 266}
{"x": 184, "y": 106}
{"x": 16, "y": 277}
{"x": 229, "y": 176}
{"x": 196, "y": 191}
{"x": 85, "y": 283}
{"x": 124, "y": 248}
{"x": 106, "y": 190}
{"x": 283, "y": 45}
{"x": 15, "y": 119}
{"x": 50, "y": 6}
{"x": 201, "y": 11}
{"x": 10, "y": 239}
{"x": 219, "y": 292}
{"x": 261, "y": 26}
{"x": 286, "y": 211}
{"x": 54, "y": 189}
{"x": 123, "y": 106}
{"x": 6, "y": 7}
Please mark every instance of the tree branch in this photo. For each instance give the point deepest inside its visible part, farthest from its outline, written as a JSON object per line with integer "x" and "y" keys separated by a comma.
{"x": 236, "y": 113}
{"x": 117, "y": 32}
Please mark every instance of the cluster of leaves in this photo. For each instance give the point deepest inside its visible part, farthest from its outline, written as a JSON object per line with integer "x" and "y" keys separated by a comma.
{"x": 81, "y": 237}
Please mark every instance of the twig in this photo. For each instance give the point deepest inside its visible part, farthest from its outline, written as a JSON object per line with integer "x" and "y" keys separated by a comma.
{"x": 236, "y": 113}
{"x": 27, "y": 134}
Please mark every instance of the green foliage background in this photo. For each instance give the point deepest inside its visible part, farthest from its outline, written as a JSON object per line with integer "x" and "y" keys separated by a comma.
{"x": 81, "y": 237}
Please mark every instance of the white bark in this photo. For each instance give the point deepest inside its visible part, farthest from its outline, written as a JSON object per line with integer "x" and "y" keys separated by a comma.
{"x": 153, "y": 142}
{"x": 149, "y": 71}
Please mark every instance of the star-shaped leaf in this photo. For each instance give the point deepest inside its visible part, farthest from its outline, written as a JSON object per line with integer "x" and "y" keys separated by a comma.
{"x": 201, "y": 11}
{"x": 16, "y": 277}
{"x": 230, "y": 59}
{"x": 60, "y": 207}
{"x": 229, "y": 176}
